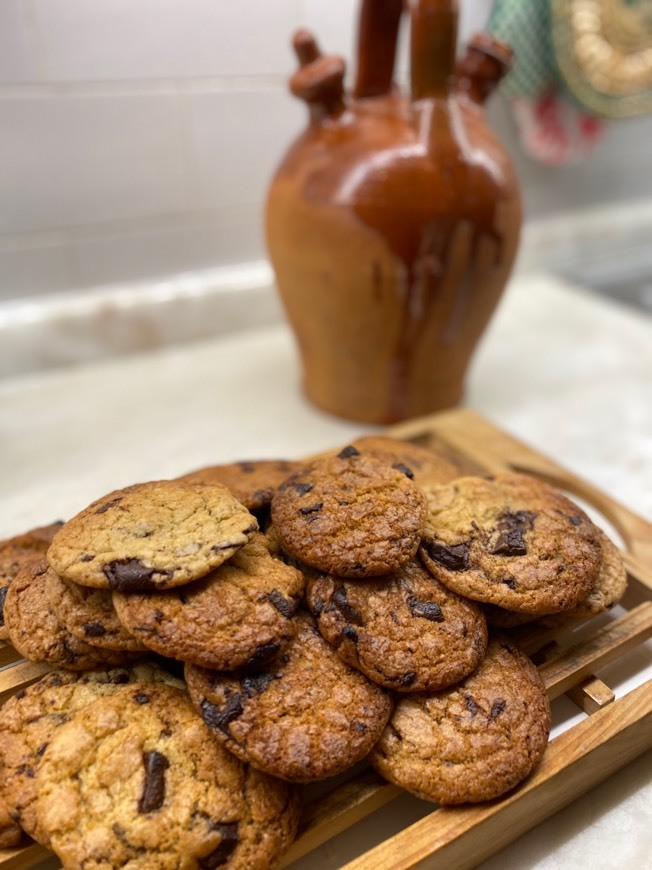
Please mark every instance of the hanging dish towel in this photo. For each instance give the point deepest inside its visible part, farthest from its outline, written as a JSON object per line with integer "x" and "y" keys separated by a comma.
{"x": 553, "y": 127}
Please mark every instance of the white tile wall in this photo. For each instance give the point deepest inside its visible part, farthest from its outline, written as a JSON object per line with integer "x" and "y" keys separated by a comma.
{"x": 16, "y": 65}
{"x": 90, "y": 40}
{"x": 140, "y": 135}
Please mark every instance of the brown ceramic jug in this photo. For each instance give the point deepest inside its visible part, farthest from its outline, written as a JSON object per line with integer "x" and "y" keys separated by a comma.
{"x": 393, "y": 221}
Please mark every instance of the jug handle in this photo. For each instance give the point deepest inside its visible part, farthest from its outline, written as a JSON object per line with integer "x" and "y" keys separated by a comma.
{"x": 433, "y": 43}
{"x": 378, "y": 26}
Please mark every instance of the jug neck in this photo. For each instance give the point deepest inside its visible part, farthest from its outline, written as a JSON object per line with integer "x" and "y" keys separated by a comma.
{"x": 433, "y": 43}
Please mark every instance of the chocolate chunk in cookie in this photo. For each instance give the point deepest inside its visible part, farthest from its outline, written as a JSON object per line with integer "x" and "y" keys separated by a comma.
{"x": 511, "y": 541}
{"x": 29, "y": 720}
{"x": 305, "y": 717}
{"x": 137, "y": 779}
{"x": 350, "y": 514}
{"x": 473, "y": 741}
{"x": 151, "y": 536}
{"x": 238, "y": 615}
{"x": 405, "y": 631}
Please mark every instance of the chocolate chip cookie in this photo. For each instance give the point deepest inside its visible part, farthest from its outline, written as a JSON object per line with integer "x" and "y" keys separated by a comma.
{"x": 426, "y": 466}
{"x": 151, "y": 536}
{"x": 405, "y": 630}
{"x": 136, "y": 779}
{"x": 512, "y": 541}
{"x": 305, "y": 717}
{"x": 351, "y": 515}
{"x": 89, "y": 615}
{"x": 31, "y": 717}
{"x": 38, "y": 632}
{"x": 238, "y": 615}
{"x": 471, "y": 742}
{"x": 251, "y": 482}
{"x": 16, "y": 552}
{"x": 10, "y": 831}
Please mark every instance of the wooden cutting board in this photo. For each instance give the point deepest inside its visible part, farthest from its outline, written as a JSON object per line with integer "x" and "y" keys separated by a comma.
{"x": 613, "y": 733}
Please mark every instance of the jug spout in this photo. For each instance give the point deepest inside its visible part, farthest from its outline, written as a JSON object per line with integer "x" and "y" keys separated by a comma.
{"x": 480, "y": 70}
{"x": 319, "y": 81}
{"x": 432, "y": 47}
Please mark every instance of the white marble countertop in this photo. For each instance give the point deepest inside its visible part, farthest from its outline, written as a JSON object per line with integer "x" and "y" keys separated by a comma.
{"x": 560, "y": 369}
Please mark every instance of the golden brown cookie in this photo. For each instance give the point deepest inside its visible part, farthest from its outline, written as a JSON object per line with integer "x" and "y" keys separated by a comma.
{"x": 305, "y": 717}
{"x": 30, "y": 718}
{"x": 16, "y": 552}
{"x": 238, "y": 615}
{"x": 252, "y": 482}
{"x": 151, "y": 536}
{"x": 89, "y": 615}
{"x": 351, "y": 515}
{"x": 425, "y": 465}
{"x": 37, "y": 631}
{"x": 405, "y": 630}
{"x": 473, "y": 741}
{"x": 136, "y": 779}
{"x": 512, "y": 541}
{"x": 10, "y": 831}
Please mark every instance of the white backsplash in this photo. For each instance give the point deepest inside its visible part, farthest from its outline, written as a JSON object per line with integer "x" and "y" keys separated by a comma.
{"x": 138, "y": 138}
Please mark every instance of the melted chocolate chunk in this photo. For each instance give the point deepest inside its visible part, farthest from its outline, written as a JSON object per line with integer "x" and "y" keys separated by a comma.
{"x": 425, "y": 609}
{"x": 255, "y": 684}
{"x": 109, "y": 504}
{"x": 360, "y": 727}
{"x": 404, "y": 468}
{"x": 153, "y": 795}
{"x": 312, "y": 509}
{"x": 216, "y": 718}
{"x": 220, "y": 855}
{"x": 349, "y": 633}
{"x": 454, "y": 558}
{"x": 471, "y": 705}
{"x": 347, "y": 452}
{"x": 262, "y": 654}
{"x": 142, "y": 698}
{"x": 286, "y": 607}
{"x": 247, "y": 467}
{"x": 301, "y": 488}
{"x": 3, "y": 596}
{"x": 575, "y": 520}
{"x": 404, "y": 679}
{"x": 93, "y": 629}
{"x": 130, "y": 575}
{"x": 497, "y": 708}
{"x": 509, "y": 581}
{"x": 510, "y": 540}
{"x": 340, "y": 602}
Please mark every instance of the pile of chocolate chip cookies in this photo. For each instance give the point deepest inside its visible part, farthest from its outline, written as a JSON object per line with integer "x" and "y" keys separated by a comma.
{"x": 324, "y": 611}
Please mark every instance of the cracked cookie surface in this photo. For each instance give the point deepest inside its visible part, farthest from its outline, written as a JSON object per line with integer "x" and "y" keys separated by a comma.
{"x": 240, "y": 614}
{"x": 136, "y": 779}
{"x": 405, "y": 631}
{"x": 426, "y": 466}
{"x": 305, "y": 717}
{"x": 30, "y": 718}
{"x": 512, "y": 541}
{"x": 151, "y": 536}
{"x": 350, "y": 514}
{"x": 471, "y": 742}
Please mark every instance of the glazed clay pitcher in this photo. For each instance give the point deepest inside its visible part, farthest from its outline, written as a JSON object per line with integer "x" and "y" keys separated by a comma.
{"x": 393, "y": 221}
